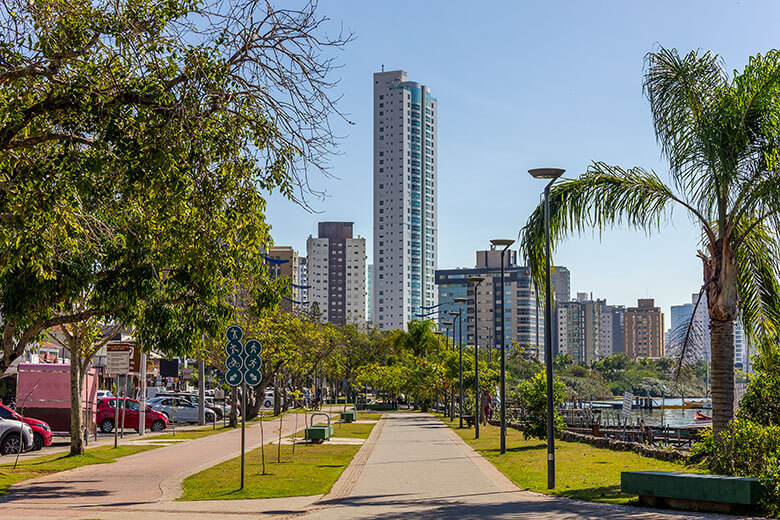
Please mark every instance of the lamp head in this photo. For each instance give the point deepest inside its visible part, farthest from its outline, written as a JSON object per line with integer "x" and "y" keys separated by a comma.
{"x": 476, "y": 279}
{"x": 447, "y": 323}
{"x": 438, "y": 332}
{"x": 460, "y": 300}
{"x": 453, "y": 313}
{"x": 546, "y": 173}
{"x": 506, "y": 242}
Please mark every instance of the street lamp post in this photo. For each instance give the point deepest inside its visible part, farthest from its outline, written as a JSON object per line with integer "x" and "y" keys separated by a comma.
{"x": 476, "y": 280}
{"x": 447, "y": 325}
{"x": 552, "y": 174}
{"x": 506, "y": 242}
{"x": 460, "y": 301}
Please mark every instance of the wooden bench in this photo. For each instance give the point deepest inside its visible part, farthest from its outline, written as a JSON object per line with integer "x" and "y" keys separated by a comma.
{"x": 692, "y": 491}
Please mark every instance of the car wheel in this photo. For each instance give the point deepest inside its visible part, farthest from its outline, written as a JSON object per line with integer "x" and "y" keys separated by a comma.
{"x": 107, "y": 426}
{"x": 157, "y": 426}
{"x": 209, "y": 417}
{"x": 37, "y": 441}
{"x": 10, "y": 445}
{"x": 268, "y": 404}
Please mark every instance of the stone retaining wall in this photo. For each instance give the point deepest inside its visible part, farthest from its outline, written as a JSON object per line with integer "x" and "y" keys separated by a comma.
{"x": 645, "y": 450}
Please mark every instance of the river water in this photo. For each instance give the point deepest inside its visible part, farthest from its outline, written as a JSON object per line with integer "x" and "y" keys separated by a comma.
{"x": 675, "y": 418}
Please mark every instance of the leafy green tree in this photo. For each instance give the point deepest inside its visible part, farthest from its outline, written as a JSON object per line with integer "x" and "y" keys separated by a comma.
{"x": 532, "y": 395}
{"x": 721, "y": 137}
{"x": 136, "y": 139}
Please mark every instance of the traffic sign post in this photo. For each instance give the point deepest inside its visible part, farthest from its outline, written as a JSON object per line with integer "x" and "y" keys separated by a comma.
{"x": 242, "y": 366}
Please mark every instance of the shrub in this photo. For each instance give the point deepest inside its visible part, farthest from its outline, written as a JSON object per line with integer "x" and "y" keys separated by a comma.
{"x": 746, "y": 449}
{"x": 760, "y": 402}
{"x": 532, "y": 394}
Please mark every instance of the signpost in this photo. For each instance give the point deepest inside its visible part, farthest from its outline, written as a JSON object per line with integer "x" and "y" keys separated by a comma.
{"x": 118, "y": 364}
{"x": 243, "y": 366}
{"x": 628, "y": 398}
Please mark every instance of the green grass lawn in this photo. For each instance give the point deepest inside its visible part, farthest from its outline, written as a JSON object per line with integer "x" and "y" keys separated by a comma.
{"x": 582, "y": 471}
{"x": 38, "y": 466}
{"x": 311, "y": 470}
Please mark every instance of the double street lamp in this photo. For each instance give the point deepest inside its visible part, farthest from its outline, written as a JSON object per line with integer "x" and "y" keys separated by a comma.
{"x": 447, "y": 325}
{"x": 552, "y": 174}
{"x": 460, "y": 301}
{"x": 476, "y": 280}
{"x": 506, "y": 242}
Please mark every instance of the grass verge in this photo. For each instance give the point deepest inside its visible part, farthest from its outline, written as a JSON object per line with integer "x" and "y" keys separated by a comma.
{"x": 56, "y": 462}
{"x": 582, "y": 471}
{"x": 311, "y": 470}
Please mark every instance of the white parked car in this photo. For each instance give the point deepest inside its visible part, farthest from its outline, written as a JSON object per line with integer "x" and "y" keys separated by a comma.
{"x": 104, "y": 394}
{"x": 10, "y": 440}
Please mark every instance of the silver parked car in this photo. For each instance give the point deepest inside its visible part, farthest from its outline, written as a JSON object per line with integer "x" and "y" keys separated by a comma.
{"x": 179, "y": 409}
{"x": 10, "y": 440}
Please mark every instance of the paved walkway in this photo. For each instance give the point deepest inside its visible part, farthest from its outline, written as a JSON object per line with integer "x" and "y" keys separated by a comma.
{"x": 420, "y": 468}
{"x": 142, "y": 483}
{"x": 412, "y": 466}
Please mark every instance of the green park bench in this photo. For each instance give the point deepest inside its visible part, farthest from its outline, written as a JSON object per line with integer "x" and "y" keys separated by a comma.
{"x": 349, "y": 415}
{"x": 316, "y": 433}
{"x": 692, "y": 491}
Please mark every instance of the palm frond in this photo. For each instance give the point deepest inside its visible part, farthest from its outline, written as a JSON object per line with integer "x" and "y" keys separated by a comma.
{"x": 604, "y": 197}
{"x": 680, "y": 90}
{"x": 757, "y": 279}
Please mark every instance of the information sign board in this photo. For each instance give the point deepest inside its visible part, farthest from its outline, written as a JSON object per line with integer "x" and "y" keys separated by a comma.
{"x": 243, "y": 361}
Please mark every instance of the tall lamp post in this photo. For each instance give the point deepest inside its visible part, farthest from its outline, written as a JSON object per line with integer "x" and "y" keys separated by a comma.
{"x": 460, "y": 301}
{"x": 506, "y": 242}
{"x": 476, "y": 280}
{"x": 552, "y": 174}
{"x": 447, "y": 325}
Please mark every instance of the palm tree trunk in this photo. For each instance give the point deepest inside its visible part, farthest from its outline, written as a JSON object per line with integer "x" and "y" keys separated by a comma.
{"x": 722, "y": 373}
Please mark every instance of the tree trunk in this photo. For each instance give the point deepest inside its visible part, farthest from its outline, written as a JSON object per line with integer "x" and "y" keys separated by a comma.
{"x": 76, "y": 427}
{"x": 722, "y": 373}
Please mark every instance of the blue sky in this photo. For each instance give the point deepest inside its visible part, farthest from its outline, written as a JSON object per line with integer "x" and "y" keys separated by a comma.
{"x": 523, "y": 85}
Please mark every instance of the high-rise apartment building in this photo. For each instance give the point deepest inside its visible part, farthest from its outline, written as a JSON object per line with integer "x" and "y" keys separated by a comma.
{"x": 680, "y": 322}
{"x": 337, "y": 273}
{"x": 405, "y": 191}
{"x": 370, "y": 293}
{"x": 643, "y": 330}
{"x": 588, "y": 329}
{"x": 283, "y": 261}
{"x": 522, "y": 320}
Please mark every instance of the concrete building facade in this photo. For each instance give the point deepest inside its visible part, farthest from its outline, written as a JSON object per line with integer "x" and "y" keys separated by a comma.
{"x": 337, "y": 273}
{"x": 643, "y": 330}
{"x": 283, "y": 262}
{"x": 405, "y": 194}
{"x": 521, "y": 319}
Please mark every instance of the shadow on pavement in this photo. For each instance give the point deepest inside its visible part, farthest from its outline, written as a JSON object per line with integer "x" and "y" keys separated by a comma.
{"x": 46, "y": 491}
{"x": 500, "y": 505}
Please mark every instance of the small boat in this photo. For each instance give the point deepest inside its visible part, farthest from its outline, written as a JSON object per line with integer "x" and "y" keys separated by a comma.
{"x": 701, "y": 417}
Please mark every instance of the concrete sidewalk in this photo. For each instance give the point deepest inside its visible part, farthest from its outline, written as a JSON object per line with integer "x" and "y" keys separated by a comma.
{"x": 411, "y": 466}
{"x": 142, "y": 483}
{"x": 420, "y": 468}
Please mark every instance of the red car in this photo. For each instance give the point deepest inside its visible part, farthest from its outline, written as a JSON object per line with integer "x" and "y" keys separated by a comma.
{"x": 41, "y": 430}
{"x": 155, "y": 421}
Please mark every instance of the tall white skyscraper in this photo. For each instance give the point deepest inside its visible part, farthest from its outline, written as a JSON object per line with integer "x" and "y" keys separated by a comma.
{"x": 405, "y": 191}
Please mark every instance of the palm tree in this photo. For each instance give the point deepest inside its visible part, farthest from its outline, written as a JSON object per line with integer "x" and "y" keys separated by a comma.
{"x": 721, "y": 137}
{"x": 420, "y": 338}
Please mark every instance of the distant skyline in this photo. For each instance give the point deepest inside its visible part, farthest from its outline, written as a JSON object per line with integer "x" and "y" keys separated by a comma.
{"x": 526, "y": 85}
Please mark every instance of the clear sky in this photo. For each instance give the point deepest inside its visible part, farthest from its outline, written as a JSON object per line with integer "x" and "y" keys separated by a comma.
{"x": 523, "y": 85}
